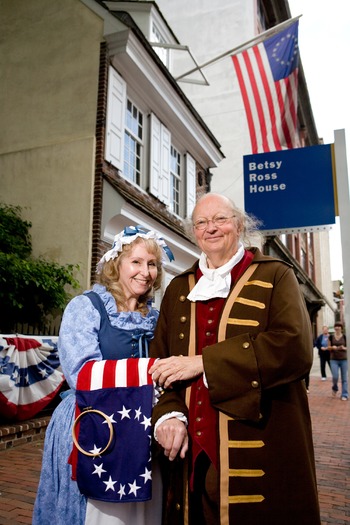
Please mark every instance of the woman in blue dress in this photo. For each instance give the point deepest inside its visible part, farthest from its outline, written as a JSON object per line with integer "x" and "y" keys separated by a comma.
{"x": 114, "y": 320}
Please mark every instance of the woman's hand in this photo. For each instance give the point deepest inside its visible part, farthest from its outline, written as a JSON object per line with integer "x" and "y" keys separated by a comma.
{"x": 176, "y": 368}
{"x": 172, "y": 436}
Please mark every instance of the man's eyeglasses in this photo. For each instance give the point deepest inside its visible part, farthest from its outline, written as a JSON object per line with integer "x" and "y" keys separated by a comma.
{"x": 218, "y": 220}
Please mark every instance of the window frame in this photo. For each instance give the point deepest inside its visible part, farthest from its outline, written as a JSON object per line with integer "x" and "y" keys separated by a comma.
{"x": 138, "y": 140}
{"x": 176, "y": 179}
{"x": 157, "y": 36}
{"x": 155, "y": 142}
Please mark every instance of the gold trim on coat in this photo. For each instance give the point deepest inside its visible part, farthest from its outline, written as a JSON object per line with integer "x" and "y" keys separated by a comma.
{"x": 250, "y": 302}
{"x": 246, "y": 498}
{"x": 242, "y": 322}
{"x": 245, "y": 473}
{"x": 246, "y": 444}
{"x": 263, "y": 284}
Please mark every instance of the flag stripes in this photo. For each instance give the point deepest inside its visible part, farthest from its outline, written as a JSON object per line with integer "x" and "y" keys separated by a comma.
{"x": 267, "y": 74}
{"x": 112, "y": 373}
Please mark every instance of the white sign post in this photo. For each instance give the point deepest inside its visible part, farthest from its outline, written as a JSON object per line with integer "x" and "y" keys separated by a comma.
{"x": 344, "y": 218}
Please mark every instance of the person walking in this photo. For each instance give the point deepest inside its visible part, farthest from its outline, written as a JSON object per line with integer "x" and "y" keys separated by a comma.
{"x": 322, "y": 344}
{"x": 235, "y": 344}
{"x": 339, "y": 361}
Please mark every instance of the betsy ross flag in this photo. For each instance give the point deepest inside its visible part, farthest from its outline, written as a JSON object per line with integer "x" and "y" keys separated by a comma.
{"x": 268, "y": 79}
{"x": 123, "y": 392}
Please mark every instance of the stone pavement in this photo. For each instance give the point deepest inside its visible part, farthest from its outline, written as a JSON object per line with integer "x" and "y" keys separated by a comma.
{"x": 20, "y": 466}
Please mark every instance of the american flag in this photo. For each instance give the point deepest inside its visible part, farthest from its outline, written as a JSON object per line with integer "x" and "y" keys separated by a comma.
{"x": 123, "y": 391}
{"x": 268, "y": 79}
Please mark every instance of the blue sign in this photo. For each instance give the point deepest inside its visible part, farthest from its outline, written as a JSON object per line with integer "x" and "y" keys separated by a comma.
{"x": 290, "y": 189}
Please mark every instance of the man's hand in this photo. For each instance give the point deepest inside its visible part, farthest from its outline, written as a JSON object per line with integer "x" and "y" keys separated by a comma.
{"x": 172, "y": 436}
{"x": 176, "y": 368}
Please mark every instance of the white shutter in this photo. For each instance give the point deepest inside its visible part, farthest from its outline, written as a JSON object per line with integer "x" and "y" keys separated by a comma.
{"x": 165, "y": 164}
{"x": 190, "y": 184}
{"x": 159, "y": 160}
{"x": 155, "y": 157}
{"x": 115, "y": 121}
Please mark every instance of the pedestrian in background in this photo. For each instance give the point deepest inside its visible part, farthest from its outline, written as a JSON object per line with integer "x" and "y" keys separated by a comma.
{"x": 322, "y": 344}
{"x": 339, "y": 361}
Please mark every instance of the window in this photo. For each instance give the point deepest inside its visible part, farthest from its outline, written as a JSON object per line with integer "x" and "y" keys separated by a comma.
{"x": 133, "y": 143}
{"x": 175, "y": 179}
{"x": 162, "y": 52}
{"x": 283, "y": 239}
{"x": 171, "y": 173}
{"x": 166, "y": 182}
{"x": 303, "y": 260}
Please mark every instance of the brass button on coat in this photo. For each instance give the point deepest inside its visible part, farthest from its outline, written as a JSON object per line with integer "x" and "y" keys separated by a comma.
{"x": 255, "y": 384}
{"x": 246, "y": 344}
{"x": 182, "y": 298}
{"x": 183, "y": 319}
{"x": 181, "y": 335}
{"x": 178, "y": 506}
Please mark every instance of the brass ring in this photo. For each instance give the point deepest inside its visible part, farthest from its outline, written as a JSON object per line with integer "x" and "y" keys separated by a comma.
{"x": 110, "y": 426}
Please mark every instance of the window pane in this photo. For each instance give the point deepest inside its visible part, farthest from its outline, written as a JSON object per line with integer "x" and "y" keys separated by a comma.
{"x": 162, "y": 52}
{"x": 133, "y": 143}
{"x": 175, "y": 172}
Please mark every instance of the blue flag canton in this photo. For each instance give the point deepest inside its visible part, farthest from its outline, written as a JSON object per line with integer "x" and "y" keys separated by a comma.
{"x": 283, "y": 52}
{"x": 123, "y": 472}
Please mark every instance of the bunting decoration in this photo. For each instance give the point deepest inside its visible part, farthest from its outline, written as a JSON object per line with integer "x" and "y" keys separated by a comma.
{"x": 30, "y": 375}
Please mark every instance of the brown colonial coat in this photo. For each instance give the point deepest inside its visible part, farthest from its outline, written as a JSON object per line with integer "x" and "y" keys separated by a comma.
{"x": 255, "y": 377}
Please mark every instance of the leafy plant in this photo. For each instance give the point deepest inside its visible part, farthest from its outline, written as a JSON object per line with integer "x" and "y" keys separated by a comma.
{"x": 30, "y": 289}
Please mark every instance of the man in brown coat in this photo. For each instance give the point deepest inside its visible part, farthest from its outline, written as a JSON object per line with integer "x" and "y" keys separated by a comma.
{"x": 236, "y": 343}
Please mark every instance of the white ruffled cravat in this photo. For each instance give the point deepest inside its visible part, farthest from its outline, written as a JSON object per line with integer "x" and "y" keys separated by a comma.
{"x": 215, "y": 282}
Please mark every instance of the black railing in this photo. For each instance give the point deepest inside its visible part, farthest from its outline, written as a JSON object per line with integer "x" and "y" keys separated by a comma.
{"x": 45, "y": 328}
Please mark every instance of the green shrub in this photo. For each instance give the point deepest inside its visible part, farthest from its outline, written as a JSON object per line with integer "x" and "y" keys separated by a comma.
{"x": 30, "y": 289}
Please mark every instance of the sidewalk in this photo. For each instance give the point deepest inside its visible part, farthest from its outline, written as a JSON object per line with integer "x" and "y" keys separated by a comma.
{"x": 20, "y": 466}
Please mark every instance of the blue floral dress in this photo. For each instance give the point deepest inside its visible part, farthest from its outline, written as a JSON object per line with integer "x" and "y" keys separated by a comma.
{"x": 58, "y": 500}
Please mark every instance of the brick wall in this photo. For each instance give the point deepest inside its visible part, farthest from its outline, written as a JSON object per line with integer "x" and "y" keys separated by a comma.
{"x": 14, "y": 434}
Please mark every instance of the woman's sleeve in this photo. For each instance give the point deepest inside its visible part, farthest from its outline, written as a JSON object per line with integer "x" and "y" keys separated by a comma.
{"x": 78, "y": 338}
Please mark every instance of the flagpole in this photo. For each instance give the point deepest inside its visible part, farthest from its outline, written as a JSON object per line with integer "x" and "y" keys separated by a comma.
{"x": 258, "y": 38}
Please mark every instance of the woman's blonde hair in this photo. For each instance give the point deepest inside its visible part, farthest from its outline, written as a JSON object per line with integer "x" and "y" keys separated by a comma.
{"x": 110, "y": 274}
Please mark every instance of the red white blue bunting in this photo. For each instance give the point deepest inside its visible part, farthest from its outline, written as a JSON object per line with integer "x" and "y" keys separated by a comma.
{"x": 30, "y": 375}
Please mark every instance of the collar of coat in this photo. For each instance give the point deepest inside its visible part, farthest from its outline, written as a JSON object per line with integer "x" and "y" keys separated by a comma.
{"x": 258, "y": 258}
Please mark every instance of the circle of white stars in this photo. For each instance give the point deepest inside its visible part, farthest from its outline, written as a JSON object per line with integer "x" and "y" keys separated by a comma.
{"x": 128, "y": 488}
{"x": 294, "y": 54}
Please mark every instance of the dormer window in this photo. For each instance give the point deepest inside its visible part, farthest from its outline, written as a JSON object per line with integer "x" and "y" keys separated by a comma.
{"x": 162, "y": 52}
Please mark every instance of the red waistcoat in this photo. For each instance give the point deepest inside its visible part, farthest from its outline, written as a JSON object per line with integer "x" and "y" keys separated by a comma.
{"x": 203, "y": 425}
